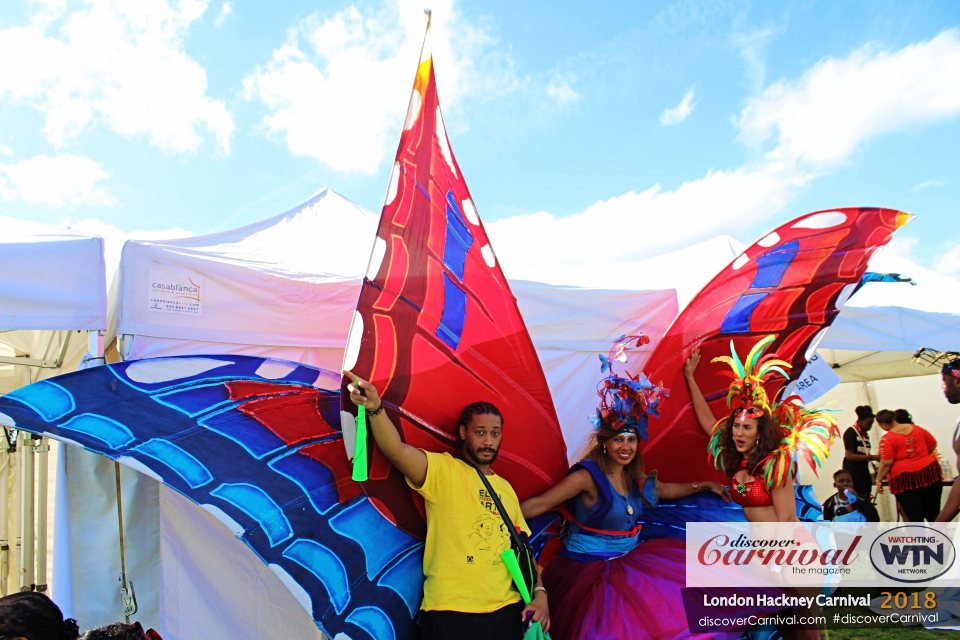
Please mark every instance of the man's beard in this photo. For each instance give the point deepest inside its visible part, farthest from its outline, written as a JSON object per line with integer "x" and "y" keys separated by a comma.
{"x": 472, "y": 454}
{"x": 953, "y": 395}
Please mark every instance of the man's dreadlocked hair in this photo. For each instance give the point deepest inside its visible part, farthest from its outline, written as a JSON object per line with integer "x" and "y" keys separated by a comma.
{"x": 475, "y": 409}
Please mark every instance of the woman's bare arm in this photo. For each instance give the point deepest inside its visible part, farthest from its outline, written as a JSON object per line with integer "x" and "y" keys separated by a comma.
{"x": 674, "y": 490}
{"x": 882, "y": 471}
{"x": 573, "y": 485}
{"x": 700, "y": 407}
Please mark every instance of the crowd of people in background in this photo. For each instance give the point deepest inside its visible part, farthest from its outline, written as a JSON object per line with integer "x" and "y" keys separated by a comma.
{"x": 30, "y": 615}
{"x": 907, "y": 462}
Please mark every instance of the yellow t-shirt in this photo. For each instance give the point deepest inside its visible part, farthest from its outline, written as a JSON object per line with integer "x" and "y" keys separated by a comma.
{"x": 465, "y": 536}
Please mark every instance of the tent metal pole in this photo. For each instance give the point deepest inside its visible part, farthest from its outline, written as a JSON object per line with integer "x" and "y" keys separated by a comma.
{"x": 42, "y": 449}
{"x": 26, "y": 513}
{"x": 4, "y": 521}
{"x": 123, "y": 557}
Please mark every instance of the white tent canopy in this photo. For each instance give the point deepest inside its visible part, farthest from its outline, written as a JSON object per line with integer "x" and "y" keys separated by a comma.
{"x": 52, "y": 308}
{"x": 53, "y": 278}
{"x": 286, "y": 288}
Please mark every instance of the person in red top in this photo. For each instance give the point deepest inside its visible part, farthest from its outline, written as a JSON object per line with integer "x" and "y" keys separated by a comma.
{"x": 908, "y": 453}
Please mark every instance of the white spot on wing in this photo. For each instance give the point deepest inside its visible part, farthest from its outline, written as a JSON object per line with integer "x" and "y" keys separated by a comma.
{"x": 352, "y": 350}
{"x": 812, "y": 349}
{"x": 275, "y": 369}
{"x": 444, "y": 143}
{"x": 7, "y": 421}
{"x": 348, "y": 425}
{"x": 845, "y": 294}
{"x": 822, "y": 220}
{"x": 741, "y": 260}
{"x": 770, "y": 240}
{"x": 394, "y": 183}
{"x": 470, "y": 211}
{"x": 376, "y": 257}
{"x": 154, "y": 370}
{"x": 487, "y": 252}
{"x": 327, "y": 380}
{"x": 415, "y": 102}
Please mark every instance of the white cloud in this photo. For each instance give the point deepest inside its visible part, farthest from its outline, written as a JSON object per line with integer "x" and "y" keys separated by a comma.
{"x": 337, "y": 89}
{"x": 680, "y": 112}
{"x": 54, "y": 181}
{"x": 824, "y": 116}
{"x": 560, "y": 90}
{"x": 119, "y": 64}
{"x": 635, "y": 226}
{"x": 928, "y": 184}
{"x": 818, "y": 120}
{"x": 225, "y": 10}
{"x": 114, "y": 237}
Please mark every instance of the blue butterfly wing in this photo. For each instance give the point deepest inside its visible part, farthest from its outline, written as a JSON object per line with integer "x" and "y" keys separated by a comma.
{"x": 257, "y": 443}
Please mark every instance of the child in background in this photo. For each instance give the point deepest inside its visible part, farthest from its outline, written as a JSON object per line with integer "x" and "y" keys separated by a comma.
{"x": 844, "y": 505}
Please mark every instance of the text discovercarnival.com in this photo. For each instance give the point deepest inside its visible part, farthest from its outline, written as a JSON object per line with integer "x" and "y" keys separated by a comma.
{"x": 817, "y": 574}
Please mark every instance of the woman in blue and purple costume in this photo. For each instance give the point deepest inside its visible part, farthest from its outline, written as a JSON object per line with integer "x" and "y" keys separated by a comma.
{"x": 609, "y": 581}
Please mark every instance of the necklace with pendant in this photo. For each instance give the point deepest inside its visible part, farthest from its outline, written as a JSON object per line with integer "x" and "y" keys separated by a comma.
{"x": 625, "y": 497}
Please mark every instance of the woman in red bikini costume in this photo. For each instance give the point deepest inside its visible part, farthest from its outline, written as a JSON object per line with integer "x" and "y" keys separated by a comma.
{"x": 756, "y": 443}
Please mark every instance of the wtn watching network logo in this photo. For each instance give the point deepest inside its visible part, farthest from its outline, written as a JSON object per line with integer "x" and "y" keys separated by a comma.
{"x": 912, "y": 553}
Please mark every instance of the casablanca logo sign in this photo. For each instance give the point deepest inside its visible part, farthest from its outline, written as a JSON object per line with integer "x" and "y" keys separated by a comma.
{"x": 175, "y": 292}
{"x": 912, "y": 553}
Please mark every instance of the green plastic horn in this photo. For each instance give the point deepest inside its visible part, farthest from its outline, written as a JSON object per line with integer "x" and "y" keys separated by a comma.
{"x": 510, "y": 560}
{"x": 360, "y": 447}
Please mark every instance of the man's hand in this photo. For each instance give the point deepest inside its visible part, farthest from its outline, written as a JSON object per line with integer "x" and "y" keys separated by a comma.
{"x": 369, "y": 398}
{"x": 540, "y": 610}
{"x": 409, "y": 461}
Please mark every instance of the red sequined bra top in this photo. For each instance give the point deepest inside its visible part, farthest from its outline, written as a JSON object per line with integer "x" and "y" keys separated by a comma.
{"x": 750, "y": 494}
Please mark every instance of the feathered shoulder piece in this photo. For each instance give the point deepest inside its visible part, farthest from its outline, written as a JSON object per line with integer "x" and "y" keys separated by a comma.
{"x": 808, "y": 434}
{"x": 626, "y": 402}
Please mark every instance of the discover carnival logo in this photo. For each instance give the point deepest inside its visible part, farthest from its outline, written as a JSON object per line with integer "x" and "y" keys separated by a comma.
{"x": 785, "y": 552}
{"x": 912, "y": 553}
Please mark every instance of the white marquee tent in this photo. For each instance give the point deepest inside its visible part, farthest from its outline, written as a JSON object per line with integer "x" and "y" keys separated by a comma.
{"x": 52, "y": 312}
{"x": 257, "y": 285}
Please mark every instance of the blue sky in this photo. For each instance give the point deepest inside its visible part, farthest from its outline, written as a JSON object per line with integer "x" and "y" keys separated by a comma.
{"x": 587, "y": 135}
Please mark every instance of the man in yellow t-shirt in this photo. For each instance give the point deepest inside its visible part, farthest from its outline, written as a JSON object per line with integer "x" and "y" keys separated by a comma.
{"x": 467, "y": 593}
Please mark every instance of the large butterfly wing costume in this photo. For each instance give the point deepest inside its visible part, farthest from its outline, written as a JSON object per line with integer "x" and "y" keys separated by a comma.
{"x": 791, "y": 283}
{"x": 257, "y": 443}
{"x": 438, "y": 328}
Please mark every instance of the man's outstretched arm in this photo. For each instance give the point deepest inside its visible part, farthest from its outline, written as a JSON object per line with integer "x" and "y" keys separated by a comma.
{"x": 410, "y": 461}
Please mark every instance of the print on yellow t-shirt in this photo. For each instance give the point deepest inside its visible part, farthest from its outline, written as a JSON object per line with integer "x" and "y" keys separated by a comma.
{"x": 465, "y": 536}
